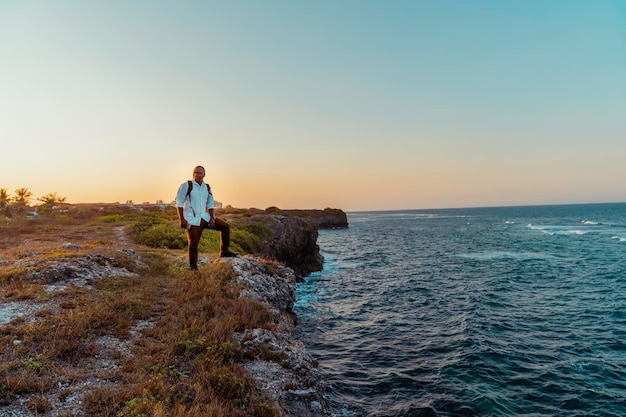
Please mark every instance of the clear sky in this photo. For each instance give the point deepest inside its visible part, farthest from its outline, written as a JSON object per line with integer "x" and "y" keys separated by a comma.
{"x": 359, "y": 105}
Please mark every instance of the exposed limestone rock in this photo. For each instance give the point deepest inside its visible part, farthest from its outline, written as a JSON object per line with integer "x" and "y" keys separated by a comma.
{"x": 70, "y": 246}
{"x": 285, "y": 370}
{"x": 82, "y": 271}
{"x": 322, "y": 219}
{"x": 293, "y": 241}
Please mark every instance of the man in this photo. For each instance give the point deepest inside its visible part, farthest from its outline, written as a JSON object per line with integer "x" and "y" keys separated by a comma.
{"x": 196, "y": 211}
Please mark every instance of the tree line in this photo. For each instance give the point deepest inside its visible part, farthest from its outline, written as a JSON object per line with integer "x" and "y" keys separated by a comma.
{"x": 22, "y": 198}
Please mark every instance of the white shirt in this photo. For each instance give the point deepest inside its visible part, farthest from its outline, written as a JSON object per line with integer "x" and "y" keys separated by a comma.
{"x": 201, "y": 201}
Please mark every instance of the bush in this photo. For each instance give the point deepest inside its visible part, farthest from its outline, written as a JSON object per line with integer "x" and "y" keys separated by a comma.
{"x": 156, "y": 234}
{"x": 210, "y": 241}
{"x": 161, "y": 236}
{"x": 244, "y": 241}
{"x": 261, "y": 230}
{"x": 114, "y": 218}
{"x": 249, "y": 238}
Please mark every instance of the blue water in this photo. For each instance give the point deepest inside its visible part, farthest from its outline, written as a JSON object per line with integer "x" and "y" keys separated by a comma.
{"x": 516, "y": 311}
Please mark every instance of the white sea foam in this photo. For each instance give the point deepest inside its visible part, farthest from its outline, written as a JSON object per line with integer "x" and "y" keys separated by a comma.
{"x": 572, "y": 232}
{"x": 558, "y": 230}
{"x": 619, "y": 238}
{"x": 503, "y": 255}
{"x": 591, "y": 223}
{"x": 407, "y": 215}
{"x": 580, "y": 366}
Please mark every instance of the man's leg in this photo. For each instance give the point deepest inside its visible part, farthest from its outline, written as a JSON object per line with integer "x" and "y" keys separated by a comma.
{"x": 193, "y": 238}
{"x": 224, "y": 229}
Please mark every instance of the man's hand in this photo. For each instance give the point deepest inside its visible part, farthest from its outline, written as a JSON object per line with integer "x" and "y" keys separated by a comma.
{"x": 184, "y": 224}
{"x": 212, "y": 222}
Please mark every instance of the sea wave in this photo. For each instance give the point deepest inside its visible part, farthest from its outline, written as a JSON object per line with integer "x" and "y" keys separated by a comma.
{"x": 497, "y": 255}
{"x": 558, "y": 230}
{"x": 486, "y": 318}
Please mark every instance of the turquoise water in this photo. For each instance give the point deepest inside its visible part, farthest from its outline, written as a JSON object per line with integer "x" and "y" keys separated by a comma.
{"x": 515, "y": 311}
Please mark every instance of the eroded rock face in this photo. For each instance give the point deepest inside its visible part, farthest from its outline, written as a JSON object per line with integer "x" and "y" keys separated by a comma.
{"x": 81, "y": 271}
{"x": 293, "y": 241}
{"x": 285, "y": 370}
{"x": 322, "y": 219}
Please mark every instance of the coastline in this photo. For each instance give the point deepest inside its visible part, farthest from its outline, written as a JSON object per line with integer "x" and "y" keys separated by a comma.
{"x": 54, "y": 278}
{"x": 291, "y": 377}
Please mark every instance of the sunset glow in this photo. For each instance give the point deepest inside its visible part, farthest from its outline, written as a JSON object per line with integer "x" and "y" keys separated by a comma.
{"x": 359, "y": 105}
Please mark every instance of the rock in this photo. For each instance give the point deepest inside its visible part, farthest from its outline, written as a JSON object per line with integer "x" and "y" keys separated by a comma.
{"x": 293, "y": 241}
{"x": 61, "y": 272}
{"x": 293, "y": 236}
{"x": 131, "y": 253}
{"x": 202, "y": 260}
{"x": 328, "y": 218}
{"x": 282, "y": 367}
{"x": 70, "y": 246}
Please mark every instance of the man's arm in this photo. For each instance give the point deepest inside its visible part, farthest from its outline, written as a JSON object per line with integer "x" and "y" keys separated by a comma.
{"x": 210, "y": 206}
{"x": 183, "y": 221}
{"x": 180, "y": 202}
{"x": 212, "y": 214}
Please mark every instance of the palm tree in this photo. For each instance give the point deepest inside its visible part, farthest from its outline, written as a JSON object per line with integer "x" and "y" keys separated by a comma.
{"x": 4, "y": 198}
{"x": 23, "y": 196}
{"x": 48, "y": 202}
{"x": 51, "y": 199}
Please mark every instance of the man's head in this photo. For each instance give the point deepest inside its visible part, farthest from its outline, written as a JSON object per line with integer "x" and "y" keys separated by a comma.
{"x": 198, "y": 174}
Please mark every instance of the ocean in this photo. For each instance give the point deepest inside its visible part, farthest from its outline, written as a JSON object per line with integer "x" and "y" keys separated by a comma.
{"x": 512, "y": 311}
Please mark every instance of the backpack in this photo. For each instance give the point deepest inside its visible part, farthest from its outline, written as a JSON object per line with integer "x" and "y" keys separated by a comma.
{"x": 188, "y": 195}
{"x": 190, "y": 187}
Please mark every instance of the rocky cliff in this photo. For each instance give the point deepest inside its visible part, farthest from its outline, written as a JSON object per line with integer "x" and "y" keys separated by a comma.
{"x": 292, "y": 241}
{"x": 281, "y": 365}
{"x": 292, "y": 234}
{"x": 328, "y": 218}
{"x": 290, "y": 377}
{"x": 60, "y": 277}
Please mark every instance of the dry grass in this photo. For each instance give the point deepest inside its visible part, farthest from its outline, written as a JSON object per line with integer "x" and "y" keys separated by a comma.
{"x": 158, "y": 343}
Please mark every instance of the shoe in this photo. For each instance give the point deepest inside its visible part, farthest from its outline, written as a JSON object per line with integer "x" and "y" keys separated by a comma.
{"x": 193, "y": 268}
{"x": 229, "y": 254}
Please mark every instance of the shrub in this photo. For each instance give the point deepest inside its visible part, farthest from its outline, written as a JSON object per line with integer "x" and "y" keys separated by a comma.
{"x": 162, "y": 236}
{"x": 261, "y": 230}
{"x": 249, "y": 238}
{"x": 114, "y": 218}
{"x": 244, "y": 241}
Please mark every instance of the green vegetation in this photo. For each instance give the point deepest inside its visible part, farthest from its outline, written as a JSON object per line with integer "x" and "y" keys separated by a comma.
{"x": 115, "y": 218}
{"x": 249, "y": 237}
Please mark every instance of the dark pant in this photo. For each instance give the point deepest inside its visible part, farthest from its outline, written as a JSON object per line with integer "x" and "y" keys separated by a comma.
{"x": 195, "y": 233}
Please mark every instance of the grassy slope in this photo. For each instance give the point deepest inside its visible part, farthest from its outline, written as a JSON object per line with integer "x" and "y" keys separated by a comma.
{"x": 159, "y": 342}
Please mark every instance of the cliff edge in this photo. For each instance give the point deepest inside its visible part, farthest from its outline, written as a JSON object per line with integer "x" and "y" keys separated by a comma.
{"x": 292, "y": 237}
{"x": 288, "y": 375}
{"x": 92, "y": 323}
